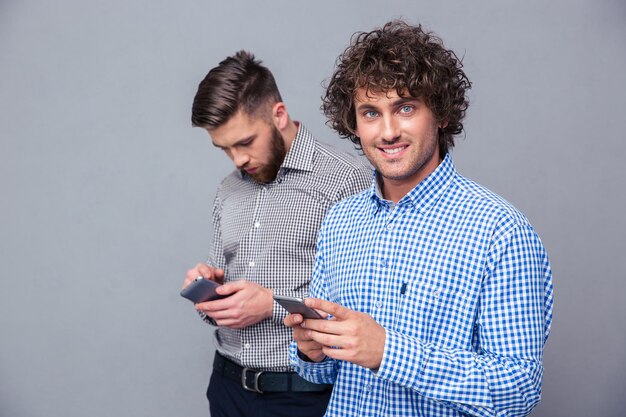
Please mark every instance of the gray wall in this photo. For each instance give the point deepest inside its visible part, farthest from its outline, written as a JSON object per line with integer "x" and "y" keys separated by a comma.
{"x": 106, "y": 189}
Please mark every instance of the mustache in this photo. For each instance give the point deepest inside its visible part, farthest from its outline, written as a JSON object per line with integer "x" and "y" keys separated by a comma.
{"x": 390, "y": 141}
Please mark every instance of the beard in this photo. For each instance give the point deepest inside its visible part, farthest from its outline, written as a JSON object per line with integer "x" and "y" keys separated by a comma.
{"x": 278, "y": 151}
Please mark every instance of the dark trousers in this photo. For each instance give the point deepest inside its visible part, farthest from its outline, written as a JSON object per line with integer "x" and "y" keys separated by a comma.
{"x": 228, "y": 398}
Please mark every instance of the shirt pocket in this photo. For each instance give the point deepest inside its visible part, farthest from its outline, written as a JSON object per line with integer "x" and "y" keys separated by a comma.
{"x": 436, "y": 314}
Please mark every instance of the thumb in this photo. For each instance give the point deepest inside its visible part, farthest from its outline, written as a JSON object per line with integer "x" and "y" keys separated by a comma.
{"x": 218, "y": 275}
{"x": 230, "y": 287}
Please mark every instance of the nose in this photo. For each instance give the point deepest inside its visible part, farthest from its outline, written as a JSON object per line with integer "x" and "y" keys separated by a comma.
{"x": 239, "y": 158}
{"x": 390, "y": 129}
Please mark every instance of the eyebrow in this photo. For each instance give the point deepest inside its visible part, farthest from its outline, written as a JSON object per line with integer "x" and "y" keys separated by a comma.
{"x": 238, "y": 143}
{"x": 404, "y": 100}
{"x": 396, "y": 103}
{"x": 365, "y": 106}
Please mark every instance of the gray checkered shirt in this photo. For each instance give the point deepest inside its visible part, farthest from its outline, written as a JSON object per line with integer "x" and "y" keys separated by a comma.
{"x": 266, "y": 233}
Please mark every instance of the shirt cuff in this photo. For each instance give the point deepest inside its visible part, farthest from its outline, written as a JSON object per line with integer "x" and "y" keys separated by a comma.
{"x": 403, "y": 360}
{"x": 323, "y": 372}
{"x": 206, "y": 318}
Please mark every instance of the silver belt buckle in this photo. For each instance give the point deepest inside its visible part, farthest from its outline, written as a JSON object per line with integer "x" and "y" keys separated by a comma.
{"x": 257, "y": 375}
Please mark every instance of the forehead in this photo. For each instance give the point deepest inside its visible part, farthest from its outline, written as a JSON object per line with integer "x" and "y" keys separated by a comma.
{"x": 364, "y": 96}
{"x": 239, "y": 127}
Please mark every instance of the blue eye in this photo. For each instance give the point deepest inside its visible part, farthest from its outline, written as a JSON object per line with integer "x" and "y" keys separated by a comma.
{"x": 406, "y": 109}
{"x": 370, "y": 114}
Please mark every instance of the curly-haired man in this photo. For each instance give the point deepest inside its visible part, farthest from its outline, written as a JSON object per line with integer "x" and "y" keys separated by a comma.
{"x": 439, "y": 292}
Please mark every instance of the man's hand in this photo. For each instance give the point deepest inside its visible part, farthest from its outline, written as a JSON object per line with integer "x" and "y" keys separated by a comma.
{"x": 208, "y": 272}
{"x": 349, "y": 335}
{"x": 247, "y": 303}
{"x": 307, "y": 346}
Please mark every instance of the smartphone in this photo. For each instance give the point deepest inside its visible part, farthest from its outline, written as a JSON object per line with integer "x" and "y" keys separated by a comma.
{"x": 296, "y": 305}
{"x": 201, "y": 290}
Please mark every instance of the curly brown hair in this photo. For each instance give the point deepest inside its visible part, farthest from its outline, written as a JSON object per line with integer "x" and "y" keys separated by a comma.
{"x": 406, "y": 59}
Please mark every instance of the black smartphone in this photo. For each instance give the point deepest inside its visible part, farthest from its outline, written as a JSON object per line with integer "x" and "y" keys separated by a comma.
{"x": 296, "y": 305}
{"x": 201, "y": 290}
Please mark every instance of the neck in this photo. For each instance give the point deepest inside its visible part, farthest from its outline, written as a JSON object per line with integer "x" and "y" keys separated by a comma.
{"x": 289, "y": 133}
{"x": 394, "y": 189}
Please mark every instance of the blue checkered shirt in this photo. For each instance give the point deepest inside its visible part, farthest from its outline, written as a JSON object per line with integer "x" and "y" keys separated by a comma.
{"x": 463, "y": 287}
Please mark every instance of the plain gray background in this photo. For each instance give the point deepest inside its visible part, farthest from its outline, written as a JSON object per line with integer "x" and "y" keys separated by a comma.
{"x": 106, "y": 189}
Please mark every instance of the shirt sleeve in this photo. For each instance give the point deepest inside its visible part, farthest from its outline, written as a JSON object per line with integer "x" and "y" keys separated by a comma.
{"x": 324, "y": 372}
{"x": 216, "y": 255}
{"x": 357, "y": 181}
{"x": 502, "y": 375}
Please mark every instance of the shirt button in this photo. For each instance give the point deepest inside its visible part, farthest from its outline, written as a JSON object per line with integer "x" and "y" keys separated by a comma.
{"x": 247, "y": 345}
{"x": 379, "y": 304}
{"x": 368, "y": 388}
{"x": 389, "y": 226}
{"x": 383, "y": 263}
{"x": 257, "y": 225}
{"x": 251, "y": 263}
{"x": 437, "y": 293}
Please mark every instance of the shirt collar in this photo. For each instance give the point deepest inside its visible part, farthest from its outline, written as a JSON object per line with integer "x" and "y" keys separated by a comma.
{"x": 300, "y": 155}
{"x": 426, "y": 193}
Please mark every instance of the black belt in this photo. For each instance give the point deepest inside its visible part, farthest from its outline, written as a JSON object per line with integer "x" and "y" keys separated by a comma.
{"x": 262, "y": 381}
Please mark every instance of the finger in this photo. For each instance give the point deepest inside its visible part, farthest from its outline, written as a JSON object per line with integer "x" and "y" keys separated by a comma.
{"x": 292, "y": 320}
{"x": 231, "y": 287}
{"x": 204, "y": 270}
{"x": 329, "y": 340}
{"x": 187, "y": 281}
{"x": 321, "y": 313}
{"x": 300, "y": 335}
{"x": 191, "y": 275}
{"x": 306, "y": 345}
{"x": 312, "y": 350}
{"x": 328, "y": 307}
{"x": 200, "y": 270}
{"x": 215, "y": 305}
{"x": 192, "y": 272}
{"x": 219, "y": 314}
{"x": 330, "y": 326}
{"x": 226, "y": 322}
{"x": 337, "y": 354}
{"x": 218, "y": 275}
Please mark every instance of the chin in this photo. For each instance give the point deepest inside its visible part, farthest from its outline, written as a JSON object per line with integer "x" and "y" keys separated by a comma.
{"x": 262, "y": 177}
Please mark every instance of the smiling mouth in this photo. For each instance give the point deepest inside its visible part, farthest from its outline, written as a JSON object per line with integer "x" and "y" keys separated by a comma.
{"x": 393, "y": 151}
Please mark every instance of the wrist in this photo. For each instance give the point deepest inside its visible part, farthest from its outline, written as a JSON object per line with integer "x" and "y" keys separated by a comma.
{"x": 270, "y": 303}
{"x": 304, "y": 357}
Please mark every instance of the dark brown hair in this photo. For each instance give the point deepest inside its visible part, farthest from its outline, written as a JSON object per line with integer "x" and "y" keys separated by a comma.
{"x": 406, "y": 59}
{"x": 238, "y": 82}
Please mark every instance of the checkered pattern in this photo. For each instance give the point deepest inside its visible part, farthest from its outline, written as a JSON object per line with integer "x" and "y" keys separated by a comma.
{"x": 463, "y": 287}
{"x": 266, "y": 233}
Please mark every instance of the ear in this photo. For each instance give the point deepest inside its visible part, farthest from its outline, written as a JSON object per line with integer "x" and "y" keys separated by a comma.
{"x": 355, "y": 131}
{"x": 443, "y": 124}
{"x": 280, "y": 117}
